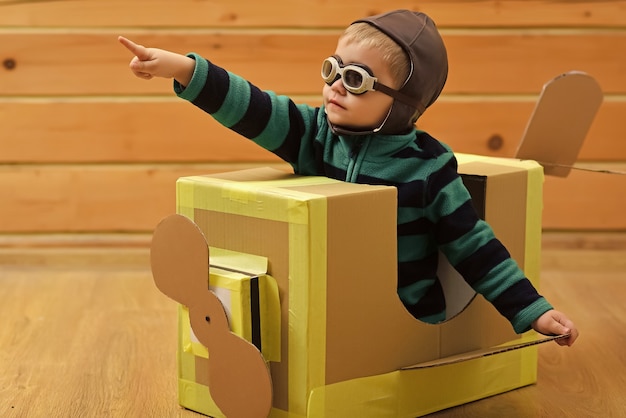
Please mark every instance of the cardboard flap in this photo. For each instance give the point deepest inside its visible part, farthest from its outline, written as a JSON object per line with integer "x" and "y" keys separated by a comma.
{"x": 525, "y": 342}
{"x": 236, "y": 261}
{"x": 560, "y": 121}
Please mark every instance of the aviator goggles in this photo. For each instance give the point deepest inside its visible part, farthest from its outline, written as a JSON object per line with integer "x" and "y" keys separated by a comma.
{"x": 357, "y": 79}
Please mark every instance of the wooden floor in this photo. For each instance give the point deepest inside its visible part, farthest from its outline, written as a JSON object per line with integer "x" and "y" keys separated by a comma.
{"x": 85, "y": 333}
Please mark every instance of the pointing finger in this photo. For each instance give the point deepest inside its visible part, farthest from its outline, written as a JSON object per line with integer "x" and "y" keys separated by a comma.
{"x": 139, "y": 51}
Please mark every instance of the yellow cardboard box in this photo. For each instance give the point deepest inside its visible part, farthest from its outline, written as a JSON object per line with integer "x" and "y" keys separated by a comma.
{"x": 342, "y": 343}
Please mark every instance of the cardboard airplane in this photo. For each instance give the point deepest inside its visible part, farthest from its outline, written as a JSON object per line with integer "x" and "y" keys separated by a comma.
{"x": 274, "y": 316}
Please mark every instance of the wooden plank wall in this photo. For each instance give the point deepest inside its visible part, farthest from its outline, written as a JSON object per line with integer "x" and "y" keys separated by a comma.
{"x": 87, "y": 148}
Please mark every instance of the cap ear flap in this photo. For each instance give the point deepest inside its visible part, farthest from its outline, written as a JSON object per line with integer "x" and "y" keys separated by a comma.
{"x": 400, "y": 119}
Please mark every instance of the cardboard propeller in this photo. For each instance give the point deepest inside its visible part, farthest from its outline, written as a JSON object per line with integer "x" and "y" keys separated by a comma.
{"x": 560, "y": 122}
{"x": 239, "y": 380}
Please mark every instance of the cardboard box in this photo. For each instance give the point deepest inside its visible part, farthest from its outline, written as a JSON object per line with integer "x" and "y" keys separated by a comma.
{"x": 346, "y": 346}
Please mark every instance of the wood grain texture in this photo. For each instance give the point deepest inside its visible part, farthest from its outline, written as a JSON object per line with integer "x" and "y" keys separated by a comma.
{"x": 94, "y": 337}
{"x": 84, "y": 144}
{"x": 132, "y": 131}
{"x": 163, "y": 130}
{"x": 134, "y": 198}
{"x": 306, "y": 13}
{"x": 595, "y": 200}
{"x": 94, "y": 198}
{"x": 481, "y": 62}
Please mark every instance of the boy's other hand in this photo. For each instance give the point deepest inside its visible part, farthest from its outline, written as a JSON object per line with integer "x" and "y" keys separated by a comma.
{"x": 556, "y": 323}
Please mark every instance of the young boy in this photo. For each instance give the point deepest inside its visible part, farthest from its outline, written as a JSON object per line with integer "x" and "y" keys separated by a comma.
{"x": 386, "y": 70}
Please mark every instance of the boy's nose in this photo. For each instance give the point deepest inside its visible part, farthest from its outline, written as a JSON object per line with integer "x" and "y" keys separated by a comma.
{"x": 338, "y": 86}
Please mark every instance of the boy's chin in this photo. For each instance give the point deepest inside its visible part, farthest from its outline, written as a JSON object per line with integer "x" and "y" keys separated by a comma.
{"x": 340, "y": 122}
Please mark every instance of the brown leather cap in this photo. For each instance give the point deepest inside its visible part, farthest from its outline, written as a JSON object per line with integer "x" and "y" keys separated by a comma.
{"x": 417, "y": 34}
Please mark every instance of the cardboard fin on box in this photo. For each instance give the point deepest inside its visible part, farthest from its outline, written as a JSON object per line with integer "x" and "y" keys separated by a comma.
{"x": 560, "y": 121}
{"x": 485, "y": 352}
{"x": 239, "y": 380}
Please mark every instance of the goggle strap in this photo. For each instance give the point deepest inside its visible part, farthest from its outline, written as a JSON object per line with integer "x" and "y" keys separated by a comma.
{"x": 399, "y": 96}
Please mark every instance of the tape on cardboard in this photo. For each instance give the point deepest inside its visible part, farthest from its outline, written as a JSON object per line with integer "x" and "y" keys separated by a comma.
{"x": 244, "y": 198}
{"x": 420, "y": 391}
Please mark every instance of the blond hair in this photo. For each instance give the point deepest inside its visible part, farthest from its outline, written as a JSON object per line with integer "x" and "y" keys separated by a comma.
{"x": 392, "y": 54}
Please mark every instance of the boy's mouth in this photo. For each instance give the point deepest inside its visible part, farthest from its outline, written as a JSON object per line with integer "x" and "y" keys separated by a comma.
{"x": 336, "y": 103}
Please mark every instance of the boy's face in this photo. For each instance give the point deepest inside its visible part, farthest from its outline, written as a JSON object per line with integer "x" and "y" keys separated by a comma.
{"x": 360, "y": 111}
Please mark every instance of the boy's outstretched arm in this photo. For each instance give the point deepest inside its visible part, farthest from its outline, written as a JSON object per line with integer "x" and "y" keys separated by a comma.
{"x": 154, "y": 62}
{"x": 556, "y": 323}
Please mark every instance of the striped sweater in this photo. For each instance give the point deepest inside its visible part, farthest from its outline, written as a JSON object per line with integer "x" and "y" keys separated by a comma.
{"x": 434, "y": 207}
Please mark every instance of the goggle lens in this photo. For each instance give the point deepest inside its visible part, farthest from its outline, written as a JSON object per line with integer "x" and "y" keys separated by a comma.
{"x": 327, "y": 70}
{"x": 356, "y": 78}
{"x": 352, "y": 78}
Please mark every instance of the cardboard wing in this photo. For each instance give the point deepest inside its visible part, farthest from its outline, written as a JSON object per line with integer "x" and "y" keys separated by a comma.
{"x": 560, "y": 121}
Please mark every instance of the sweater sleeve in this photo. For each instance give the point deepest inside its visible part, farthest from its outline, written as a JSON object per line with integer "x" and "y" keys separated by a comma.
{"x": 471, "y": 247}
{"x": 272, "y": 121}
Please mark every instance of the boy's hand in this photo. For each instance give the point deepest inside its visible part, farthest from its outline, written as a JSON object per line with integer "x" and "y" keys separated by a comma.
{"x": 556, "y": 323}
{"x": 153, "y": 62}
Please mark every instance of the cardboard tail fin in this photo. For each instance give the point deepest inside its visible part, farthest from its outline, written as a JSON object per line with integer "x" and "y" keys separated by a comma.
{"x": 560, "y": 122}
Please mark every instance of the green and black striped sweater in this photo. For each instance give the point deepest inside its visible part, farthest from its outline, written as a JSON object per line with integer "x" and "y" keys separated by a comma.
{"x": 434, "y": 207}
